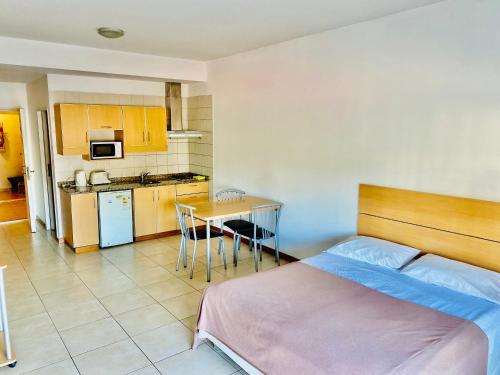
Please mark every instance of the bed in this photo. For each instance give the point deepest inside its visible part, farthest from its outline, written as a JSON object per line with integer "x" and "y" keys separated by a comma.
{"x": 330, "y": 314}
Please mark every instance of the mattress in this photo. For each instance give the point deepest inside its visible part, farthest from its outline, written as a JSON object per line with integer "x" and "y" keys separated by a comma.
{"x": 319, "y": 317}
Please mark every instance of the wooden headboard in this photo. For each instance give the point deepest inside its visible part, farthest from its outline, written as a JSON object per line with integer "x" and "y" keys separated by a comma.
{"x": 463, "y": 229}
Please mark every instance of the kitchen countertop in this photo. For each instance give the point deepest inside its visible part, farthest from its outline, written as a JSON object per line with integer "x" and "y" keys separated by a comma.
{"x": 129, "y": 183}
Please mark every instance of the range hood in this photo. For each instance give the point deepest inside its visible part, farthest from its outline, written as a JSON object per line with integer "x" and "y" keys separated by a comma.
{"x": 173, "y": 105}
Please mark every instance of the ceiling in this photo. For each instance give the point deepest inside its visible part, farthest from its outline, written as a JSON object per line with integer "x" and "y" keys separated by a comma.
{"x": 194, "y": 29}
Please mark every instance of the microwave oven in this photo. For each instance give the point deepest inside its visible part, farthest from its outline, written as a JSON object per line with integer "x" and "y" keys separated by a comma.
{"x": 106, "y": 150}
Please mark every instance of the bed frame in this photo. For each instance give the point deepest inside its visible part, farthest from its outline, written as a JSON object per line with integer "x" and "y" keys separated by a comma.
{"x": 467, "y": 230}
{"x": 463, "y": 229}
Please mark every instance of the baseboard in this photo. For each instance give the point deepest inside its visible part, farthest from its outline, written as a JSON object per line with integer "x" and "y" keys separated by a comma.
{"x": 157, "y": 235}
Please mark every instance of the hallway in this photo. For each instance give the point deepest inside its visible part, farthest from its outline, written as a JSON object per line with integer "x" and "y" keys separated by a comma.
{"x": 12, "y": 206}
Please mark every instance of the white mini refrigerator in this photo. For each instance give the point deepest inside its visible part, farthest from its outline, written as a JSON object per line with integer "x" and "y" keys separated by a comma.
{"x": 115, "y": 218}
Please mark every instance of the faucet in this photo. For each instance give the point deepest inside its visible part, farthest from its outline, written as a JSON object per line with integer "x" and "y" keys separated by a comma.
{"x": 143, "y": 177}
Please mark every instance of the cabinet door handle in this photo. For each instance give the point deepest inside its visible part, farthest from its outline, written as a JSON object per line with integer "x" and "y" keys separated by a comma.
{"x": 153, "y": 195}
{"x": 144, "y": 136}
{"x": 93, "y": 200}
{"x": 149, "y": 137}
{"x": 106, "y": 127}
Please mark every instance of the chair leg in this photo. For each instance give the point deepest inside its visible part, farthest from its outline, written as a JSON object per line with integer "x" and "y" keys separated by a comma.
{"x": 192, "y": 261}
{"x": 256, "y": 259}
{"x": 260, "y": 251}
{"x": 181, "y": 250}
{"x": 185, "y": 255}
{"x": 239, "y": 243}
{"x": 277, "y": 250}
{"x": 250, "y": 244}
{"x": 223, "y": 248}
{"x": 220, "y": 246}
{"x": 235, "y": 250}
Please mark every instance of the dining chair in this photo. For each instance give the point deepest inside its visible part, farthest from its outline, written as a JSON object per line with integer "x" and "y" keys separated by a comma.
{"x": 186, "y": 218}
{"x": 265, "y": 219}
{"x": 235, "y": 225}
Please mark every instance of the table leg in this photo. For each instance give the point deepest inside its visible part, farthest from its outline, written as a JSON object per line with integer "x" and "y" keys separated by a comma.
{"x": 208, "y": 250}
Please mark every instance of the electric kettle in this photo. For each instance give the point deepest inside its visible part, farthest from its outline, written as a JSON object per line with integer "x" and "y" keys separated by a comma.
{"x": 80, "y": 178}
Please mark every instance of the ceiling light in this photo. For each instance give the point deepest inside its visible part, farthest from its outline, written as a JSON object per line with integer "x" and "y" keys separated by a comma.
{"x": 110, "y": 32}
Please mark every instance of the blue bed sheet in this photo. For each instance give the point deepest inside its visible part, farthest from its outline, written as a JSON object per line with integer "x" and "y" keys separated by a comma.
{"x": 484, "y": 313}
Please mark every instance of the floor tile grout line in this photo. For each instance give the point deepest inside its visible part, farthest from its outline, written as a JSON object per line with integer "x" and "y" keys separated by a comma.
{"x": 47, "y": 312}
{"x": 112, "y": 316}
{"x": 130, "y": 337}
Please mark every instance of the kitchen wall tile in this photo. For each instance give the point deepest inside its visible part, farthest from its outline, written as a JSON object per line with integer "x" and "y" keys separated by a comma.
{"x": 172, "y": 147}
{"x": 183, "y": 168}
{"x": 139, "y": 161}
{"x": 125, "y": 99}
{"x": 151, "y": 160}
{"x": 204, "y": 101}
{"x": 182, "y": 159}
{"x": 162, "y": 159}
{"x": 172, "y": 159}
{"x": 183, "y": 148}
{"x": 173, "y": 169}
{"x": 137, "y": 100}
{"x": 162, "y": 169}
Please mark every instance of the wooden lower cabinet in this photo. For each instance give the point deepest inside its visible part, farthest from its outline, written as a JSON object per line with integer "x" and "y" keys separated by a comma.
{"x": 167, "y": 219}
{"x": 154, "y": 207}
{"x": 154, "y": 210}
{"x": 144, "y": 211}
{"x": 80, "y": 220}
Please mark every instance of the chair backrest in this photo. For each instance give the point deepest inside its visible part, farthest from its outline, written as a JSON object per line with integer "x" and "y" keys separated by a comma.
{"x": 185, "y": 217}
{"x": 267, "y": 218}
{"x": 229, "y": 194}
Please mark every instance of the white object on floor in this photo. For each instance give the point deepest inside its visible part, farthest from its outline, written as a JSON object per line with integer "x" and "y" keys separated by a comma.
{"x": 7, "y": 357}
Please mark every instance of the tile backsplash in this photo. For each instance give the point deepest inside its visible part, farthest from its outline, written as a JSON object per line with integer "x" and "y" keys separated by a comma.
{"x": 176, "y": 160}
{"x": 193, "y": 155}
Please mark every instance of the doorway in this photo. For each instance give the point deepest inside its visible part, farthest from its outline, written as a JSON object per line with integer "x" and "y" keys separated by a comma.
{"x": 46, "y": 169}
{"x": 13, "y": 201}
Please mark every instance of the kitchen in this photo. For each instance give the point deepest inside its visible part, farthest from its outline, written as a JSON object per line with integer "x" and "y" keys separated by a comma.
{"x": 150, "y": 172}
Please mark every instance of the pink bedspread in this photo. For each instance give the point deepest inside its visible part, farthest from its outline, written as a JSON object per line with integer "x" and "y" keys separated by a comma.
{"x": 297, "y": 319}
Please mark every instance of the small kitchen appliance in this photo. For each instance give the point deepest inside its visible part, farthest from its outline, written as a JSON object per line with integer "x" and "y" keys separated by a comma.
{"x": 106, "y": 150}
{"x": 80, "y": 178}
{"x": 115, "y": 218}
{"x": 99, "y": 178}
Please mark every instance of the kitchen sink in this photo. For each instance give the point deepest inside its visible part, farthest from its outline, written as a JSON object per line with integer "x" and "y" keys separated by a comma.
{"x": 150, "y": 182}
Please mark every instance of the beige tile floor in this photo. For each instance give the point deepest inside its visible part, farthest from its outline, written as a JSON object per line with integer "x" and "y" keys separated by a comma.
{"x": 123, "y": 310}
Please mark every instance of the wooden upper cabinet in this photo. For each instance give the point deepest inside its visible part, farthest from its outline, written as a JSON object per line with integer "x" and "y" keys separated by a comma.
{"x": 105, "y": 117}
{"x": 134, "y": 129}
{"x": 156, "y": 128}
{"x": 71, "y": 129}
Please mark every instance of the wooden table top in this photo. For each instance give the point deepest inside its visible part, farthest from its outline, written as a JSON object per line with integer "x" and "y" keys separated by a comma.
{"x": 220, "y": 210}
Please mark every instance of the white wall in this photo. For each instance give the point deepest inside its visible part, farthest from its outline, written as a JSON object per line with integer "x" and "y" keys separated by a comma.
{"x": 76, "y": 59}
{"x": 38, "y": 99}
{"x": 13, "y": 95}
{"x": 411, "y": 101}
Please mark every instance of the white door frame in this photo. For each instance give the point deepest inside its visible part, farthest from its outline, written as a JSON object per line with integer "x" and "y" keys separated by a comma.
{"x": 48, "y": 200}
{"x": 29, "y": 170}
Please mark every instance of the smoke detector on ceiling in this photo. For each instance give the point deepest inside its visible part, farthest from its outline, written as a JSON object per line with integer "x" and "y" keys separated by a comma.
{"x": 110, "y": 32}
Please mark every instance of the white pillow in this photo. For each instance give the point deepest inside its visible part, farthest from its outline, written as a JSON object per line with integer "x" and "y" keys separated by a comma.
{"x": 461, "y": 277}
{"x": 375, "y": 251}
